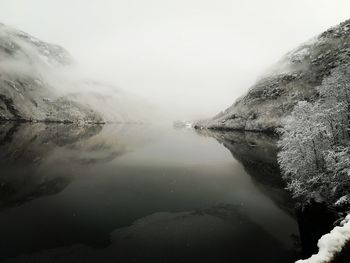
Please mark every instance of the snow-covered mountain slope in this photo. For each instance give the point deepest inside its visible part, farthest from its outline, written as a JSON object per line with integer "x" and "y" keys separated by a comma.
{"x": 25, "y": 92}
{"x": 41, "y": 82}
{"x": 292, "y": 79}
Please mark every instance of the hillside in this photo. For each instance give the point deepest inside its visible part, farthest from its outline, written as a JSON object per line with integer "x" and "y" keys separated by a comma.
{"x": 294, "y": 78}
{"x": 25, "y": 93}
{"x": 41, "y": 82}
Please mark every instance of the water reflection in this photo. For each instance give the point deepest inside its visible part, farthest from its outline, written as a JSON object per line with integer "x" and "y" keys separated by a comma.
{"x": 219, "y": 233}
{"x": 140, "y": 194}
{"x": 258, "y": 154}
{"x": 38, "y": 159}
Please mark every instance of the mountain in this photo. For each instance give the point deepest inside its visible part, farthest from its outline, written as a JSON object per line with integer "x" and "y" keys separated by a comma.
{"x": 41, "y": 82}
{"x": 294, "y": 78}
{"x": 25, "y": 93}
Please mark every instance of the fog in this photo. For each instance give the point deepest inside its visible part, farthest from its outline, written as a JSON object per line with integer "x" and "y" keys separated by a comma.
{"x": 189, "y": 58}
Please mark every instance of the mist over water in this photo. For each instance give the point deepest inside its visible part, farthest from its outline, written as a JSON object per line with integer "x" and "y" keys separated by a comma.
{"x": 189, "y": 59}
{"x": 119, "y": 192}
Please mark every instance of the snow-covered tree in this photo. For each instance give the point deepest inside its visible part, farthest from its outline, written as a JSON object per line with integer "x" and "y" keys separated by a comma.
{"x": 315, "y": 150}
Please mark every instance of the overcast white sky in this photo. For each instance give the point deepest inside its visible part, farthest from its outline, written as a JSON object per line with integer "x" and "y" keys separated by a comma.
{"x": 192, "y": 57}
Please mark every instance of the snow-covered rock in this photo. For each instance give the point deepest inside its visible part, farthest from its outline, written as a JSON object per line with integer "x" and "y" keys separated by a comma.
{"x": 331, "y": 244}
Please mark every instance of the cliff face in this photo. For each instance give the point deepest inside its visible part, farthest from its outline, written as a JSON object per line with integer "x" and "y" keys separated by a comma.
{"x": 292, "y": 79}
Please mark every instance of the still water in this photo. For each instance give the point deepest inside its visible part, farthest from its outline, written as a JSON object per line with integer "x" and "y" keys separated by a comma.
{"x": 140, "y": 193}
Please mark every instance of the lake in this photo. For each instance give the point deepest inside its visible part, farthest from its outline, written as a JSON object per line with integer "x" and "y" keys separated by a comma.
{"x": 141, "y": 193}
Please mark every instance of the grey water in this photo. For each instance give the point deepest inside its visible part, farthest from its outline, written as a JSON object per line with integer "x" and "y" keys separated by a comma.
{"x": 141, "y": 193}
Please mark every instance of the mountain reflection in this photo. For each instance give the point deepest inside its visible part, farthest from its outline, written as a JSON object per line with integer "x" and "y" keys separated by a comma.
{"x": 257, "y": 152}
{"x": 38, "y": 159}
{"x": 134, "y": 194}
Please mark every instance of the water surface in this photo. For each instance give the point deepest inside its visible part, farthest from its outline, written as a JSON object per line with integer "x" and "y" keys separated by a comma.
{"x": 139, "y": 193}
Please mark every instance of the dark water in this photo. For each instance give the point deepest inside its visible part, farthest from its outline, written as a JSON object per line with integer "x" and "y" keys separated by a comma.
{"x": 140, "y": 193}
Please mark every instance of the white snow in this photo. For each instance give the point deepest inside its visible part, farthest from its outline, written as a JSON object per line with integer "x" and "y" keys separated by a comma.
{"x": 330, "y": 244}
{"x": 342, "y": 200}
{"x": 34, "y": 40}
{"x": 300, "y": 54}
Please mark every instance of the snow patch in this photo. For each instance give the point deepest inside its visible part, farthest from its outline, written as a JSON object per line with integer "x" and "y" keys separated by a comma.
{"x": 342, "y": 200}
{"x": 330, "y": 244}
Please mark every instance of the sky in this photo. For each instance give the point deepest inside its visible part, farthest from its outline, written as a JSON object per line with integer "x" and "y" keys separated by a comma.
{"x": 189, "y": 58}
